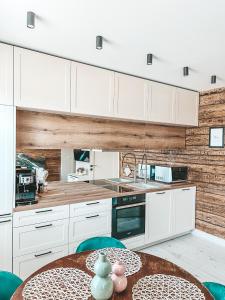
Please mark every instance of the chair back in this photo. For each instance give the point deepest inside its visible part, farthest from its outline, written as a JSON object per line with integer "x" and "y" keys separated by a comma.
{"x": 96, "y": 243}
{"x": 216, "y": 289}
{"x": 8, "y": 284}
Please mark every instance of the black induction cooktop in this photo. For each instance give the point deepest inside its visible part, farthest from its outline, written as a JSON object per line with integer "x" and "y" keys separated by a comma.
{"x": 117, "y": 188}
{"x": 109, "y": 186}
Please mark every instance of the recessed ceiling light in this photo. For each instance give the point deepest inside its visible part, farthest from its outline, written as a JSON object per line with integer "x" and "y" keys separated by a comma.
{"x": 99, "y": 42}
{"x": 30, "y": 19}
{"x": 213, "y": 79}
{"x": 149, "y": 59}
{"x": 185, "y": 71}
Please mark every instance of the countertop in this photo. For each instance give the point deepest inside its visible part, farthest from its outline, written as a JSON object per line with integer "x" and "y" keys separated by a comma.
{"x": 62, "y": 193}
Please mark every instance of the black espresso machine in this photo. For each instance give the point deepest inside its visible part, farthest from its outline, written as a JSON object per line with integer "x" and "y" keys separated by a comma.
{"x": 25, "y": 186}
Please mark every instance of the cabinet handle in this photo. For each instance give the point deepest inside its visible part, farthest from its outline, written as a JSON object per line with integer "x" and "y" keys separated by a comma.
{"x": 95, "y": 216}
{"x": 43, "y": 226}
{"x": 186, "y": 189}
{"x": 92, "y": 203}
{"x": 38, "y": 255}
{"x": 43, "y": 211}
{"x": 6, "y": 221}
{"x": 5, "y": 215}
{"x": 160, "y": 193}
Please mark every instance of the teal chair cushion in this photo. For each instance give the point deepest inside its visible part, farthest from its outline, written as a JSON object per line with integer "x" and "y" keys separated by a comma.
{"x": 99, "y": 243}
{"x": 8, "y": 284}
{"x": 216, "y": 289}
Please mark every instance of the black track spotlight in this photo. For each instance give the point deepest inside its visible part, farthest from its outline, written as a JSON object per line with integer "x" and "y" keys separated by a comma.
{"x": 185, "y": 71}
{"x": 99, "y": 42}
{"x": 149, "y": 59}
{"x": 213, "y": 79}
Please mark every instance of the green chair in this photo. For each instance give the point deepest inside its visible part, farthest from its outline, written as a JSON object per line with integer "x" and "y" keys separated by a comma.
{"x": 217, "y": 290}
{"x": 99, "y": 243}
{"x": 8, "y": 284}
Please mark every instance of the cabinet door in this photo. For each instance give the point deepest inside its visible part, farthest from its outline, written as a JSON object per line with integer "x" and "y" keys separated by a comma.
{"x": 92, "y": 90}
{"x": 35, "y": 216}
{"x": 184, "y": 210}
{"x": 6, "y": 74}
{"x": 187, "y": 103}
{"x": 131, "y": 97}
{"x": 162, "y": 100}
{"x": 7, "y": 159}
{"x": 95, "y": 224}
{"x": 41, "y": 81}
{"x": 24, "y": 266}
{"x": 32, "y": 238}
{"x": 158, "y": 216}
{"x": 6, "y": 244}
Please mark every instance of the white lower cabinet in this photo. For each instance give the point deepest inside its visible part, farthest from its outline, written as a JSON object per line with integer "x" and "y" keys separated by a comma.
{"x": 159, "y": 217}
{"x": 6, "y": 244}
{"x": 95, "y": 224}
{"x": 32, "y": 238}
{"x": 25, "y": 265}
{"x": 169, "y": 213}
{"x": 184, "y": 210}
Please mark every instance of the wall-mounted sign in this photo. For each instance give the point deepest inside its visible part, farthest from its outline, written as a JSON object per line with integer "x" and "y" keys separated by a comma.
{"x": 216, "y": 137}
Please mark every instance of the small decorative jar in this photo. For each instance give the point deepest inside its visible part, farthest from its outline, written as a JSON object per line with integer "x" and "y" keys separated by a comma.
{"x": 101, "y": 284}
{"x": 118, "y": 277}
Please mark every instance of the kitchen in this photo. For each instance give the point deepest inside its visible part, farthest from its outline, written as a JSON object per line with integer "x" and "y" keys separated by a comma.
{"x": 96, "y": 149}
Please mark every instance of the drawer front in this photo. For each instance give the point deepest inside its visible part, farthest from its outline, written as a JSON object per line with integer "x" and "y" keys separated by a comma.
{"x": 91, "y": 225}
{"x": 36, "y": 216}
{"x": 25, "y": 265}
{"x": 73, "y": 246}
{"x": 89, "y": 207}
{"x": 33, "y": 238}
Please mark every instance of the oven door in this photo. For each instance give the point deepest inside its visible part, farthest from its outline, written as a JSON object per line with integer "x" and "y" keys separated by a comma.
{"x": 128, "y": 220}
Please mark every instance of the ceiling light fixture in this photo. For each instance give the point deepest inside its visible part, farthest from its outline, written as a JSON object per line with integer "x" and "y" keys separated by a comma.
{"x": 99, "y": 42}
{"x": 185, "y": 71}
{"x": 30, "y": 19}
{"x": 213, "y": 79}
{"x": 149, "y": 59}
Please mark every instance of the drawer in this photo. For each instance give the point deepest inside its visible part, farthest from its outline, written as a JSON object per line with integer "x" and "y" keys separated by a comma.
{"x": 33, "y": 238}
{"x": 91, "y": 225}
{"x": 73, "y": 246}
{"x": 89, "y": 207}
{"x": 36, "y": 216}
{"x": 25, "y": 265}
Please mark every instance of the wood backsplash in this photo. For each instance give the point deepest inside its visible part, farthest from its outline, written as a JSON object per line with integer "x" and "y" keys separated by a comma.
{"x": 36, "y": 130}
{"x": 206, "y": 165}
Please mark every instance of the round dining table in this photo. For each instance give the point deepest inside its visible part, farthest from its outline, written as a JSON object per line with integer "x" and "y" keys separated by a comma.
{"x": 150, "y": 265}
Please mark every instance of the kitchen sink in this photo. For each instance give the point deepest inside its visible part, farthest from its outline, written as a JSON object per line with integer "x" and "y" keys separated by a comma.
{"x": 146, "y": 186}
{"x": 120, "y": 180}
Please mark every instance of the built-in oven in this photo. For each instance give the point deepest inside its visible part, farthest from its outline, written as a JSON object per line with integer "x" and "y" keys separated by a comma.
{"x": 128, "y": 216}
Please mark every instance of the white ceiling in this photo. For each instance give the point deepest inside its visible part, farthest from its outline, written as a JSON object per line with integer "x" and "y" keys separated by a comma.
{"x": 178, "y": 32}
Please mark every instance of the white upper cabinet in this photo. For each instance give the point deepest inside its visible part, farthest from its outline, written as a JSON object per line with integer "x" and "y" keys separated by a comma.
{"x": 41, "y": 81}
{"x": 186, "y": 109}
{"x": 6, "y": 74}
{"x": 131, "y": 97}
{"x": 92, "y": 90}
{"x": 162, "y": 103}
{"x": 7, "y": 155}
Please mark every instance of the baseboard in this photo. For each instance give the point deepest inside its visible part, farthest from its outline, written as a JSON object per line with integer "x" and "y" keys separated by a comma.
{"x": 210, "y": 237}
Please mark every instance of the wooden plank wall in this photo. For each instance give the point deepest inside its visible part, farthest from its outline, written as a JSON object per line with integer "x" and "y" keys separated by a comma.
{"x": 206, "y": 165}
{"x": 52, "y": 160}
{"x": 36, "y": 130}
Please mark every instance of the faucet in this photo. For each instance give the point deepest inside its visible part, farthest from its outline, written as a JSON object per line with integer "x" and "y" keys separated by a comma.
{"x": 146, "y": 168}
{"x": 135, "y": 163}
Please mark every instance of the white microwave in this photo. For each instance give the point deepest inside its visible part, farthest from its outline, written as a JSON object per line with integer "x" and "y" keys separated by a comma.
{"x": 171, "y": 174}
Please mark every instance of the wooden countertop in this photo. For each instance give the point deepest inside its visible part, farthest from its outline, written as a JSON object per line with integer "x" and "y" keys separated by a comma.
{"x": 62, "y": 193}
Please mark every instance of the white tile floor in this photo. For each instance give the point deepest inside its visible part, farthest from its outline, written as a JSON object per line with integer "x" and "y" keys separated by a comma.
{"x": 199, "y": 253}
